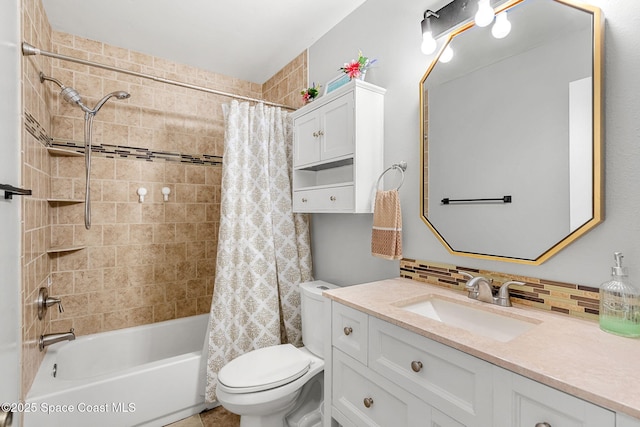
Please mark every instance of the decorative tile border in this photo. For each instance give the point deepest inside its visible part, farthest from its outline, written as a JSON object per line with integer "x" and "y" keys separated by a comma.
{"x": 117, "y": 151}
{"x": 35, "y": 129}
{"x": 574, "y": 300}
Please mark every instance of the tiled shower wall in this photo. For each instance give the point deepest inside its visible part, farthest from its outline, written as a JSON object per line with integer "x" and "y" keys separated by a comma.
{"x": 140, "y": 262}
{"x": 36, "y": 172}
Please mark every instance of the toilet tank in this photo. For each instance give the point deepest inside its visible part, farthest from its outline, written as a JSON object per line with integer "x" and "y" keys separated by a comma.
{"x": 312, "y": 311}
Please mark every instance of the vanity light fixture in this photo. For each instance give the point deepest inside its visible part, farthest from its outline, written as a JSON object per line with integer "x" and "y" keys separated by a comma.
{"x": 428, "y": 41}
{"x": 484, "y": 15}
{"x": 502, "y": 27}
{"x": 447, "y": 54}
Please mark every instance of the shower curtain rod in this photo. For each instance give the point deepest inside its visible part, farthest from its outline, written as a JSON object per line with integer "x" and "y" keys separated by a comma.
{"x": 28, "y": 50}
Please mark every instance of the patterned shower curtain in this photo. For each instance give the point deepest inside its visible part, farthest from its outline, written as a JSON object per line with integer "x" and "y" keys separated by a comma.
{"x": 263, "y": 248}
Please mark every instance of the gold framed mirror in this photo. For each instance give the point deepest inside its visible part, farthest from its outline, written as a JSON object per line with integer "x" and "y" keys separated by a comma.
{"x": 511, "y": 134}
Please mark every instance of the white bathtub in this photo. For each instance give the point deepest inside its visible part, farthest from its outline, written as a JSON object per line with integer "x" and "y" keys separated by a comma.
{"x": 143, "y": 376}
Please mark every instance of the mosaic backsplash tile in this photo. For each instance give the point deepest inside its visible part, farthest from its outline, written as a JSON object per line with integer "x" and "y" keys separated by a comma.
{"x": 567, "y": 298}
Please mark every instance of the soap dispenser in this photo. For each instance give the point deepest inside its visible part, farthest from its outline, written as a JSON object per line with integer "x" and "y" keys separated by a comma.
{"x": 620, "y": 303}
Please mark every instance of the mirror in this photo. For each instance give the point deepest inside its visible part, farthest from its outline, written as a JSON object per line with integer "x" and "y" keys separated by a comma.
{"x": 517, "y": 121}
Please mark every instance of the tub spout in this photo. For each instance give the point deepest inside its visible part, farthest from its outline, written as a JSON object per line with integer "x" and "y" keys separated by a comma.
{"x": 48, "y": 339}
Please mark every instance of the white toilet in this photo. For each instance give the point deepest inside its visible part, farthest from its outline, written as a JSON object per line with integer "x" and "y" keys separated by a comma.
{"x": 281, "y": 385}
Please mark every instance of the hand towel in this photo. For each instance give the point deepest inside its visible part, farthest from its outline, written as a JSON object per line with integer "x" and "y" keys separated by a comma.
{"x": 386, "y": 236}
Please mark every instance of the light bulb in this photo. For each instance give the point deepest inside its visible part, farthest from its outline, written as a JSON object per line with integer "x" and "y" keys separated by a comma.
{"x": 484, "y": 15}
{"x": 502, "y": 27}
{"x": 446, "y": 55}
{"x": 428, "y": 43}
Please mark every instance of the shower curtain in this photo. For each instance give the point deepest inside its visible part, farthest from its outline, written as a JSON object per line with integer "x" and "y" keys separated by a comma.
{"x": 263, "y": 248}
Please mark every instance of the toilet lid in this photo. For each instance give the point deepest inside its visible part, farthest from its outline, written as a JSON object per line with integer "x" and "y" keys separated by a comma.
{"x": 264, "y": 368}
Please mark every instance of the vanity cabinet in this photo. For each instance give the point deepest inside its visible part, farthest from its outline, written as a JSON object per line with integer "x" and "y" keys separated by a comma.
{"x": 521, "y": 402}
{"x": 380, "y": 374}
{"x": 338, "y": 149}
{"x": 383, "y": 375}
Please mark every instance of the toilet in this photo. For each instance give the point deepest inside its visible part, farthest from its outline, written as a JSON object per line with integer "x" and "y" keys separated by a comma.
{"x": 281, "y": 385}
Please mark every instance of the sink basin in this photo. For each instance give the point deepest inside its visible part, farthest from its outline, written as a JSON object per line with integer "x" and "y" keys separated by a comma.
{"x": 475, "y": 320}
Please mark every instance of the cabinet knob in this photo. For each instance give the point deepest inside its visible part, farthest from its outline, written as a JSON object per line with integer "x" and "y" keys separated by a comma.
{"x": 332, "y": 198}
{"x": 304, "y": 200}
{"x": 543, "y": 425}
{"x": 348, "y": 330}
{"x": 320, "y": 133}
{"x": 416, "y": 366}
{"x": 368, "y": 402}
{"x": 316, "y": 134}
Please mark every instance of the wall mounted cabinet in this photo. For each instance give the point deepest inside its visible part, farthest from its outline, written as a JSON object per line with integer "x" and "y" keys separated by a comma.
{"x": 338, "y": 149}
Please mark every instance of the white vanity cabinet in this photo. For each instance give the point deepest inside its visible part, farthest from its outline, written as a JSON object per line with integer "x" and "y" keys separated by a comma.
{"x": 383, "y": 375}
{"x": 521, "y": 402}
{"x": 338, "y": 149}
{"x": 380, "y": 374}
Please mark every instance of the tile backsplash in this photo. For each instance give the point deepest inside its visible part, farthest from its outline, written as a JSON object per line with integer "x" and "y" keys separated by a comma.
{"x": 567, "y": 298}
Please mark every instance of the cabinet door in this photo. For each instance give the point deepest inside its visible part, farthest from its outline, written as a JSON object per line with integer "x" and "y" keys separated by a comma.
{"x": 366, "y": 399}
{"x": 337, "y": 128}
{"x": 306, "y": 139}
{"x": 521, "y": 402}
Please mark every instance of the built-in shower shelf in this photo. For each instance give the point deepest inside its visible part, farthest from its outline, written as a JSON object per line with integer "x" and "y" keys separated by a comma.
{"x": 64, "y": 249}
{"x": 64, "y": 201}
{"x": 61, "y": 152}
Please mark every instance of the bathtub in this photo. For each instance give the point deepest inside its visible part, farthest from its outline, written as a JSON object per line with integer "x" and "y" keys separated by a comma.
{"x": 142, "y": 376}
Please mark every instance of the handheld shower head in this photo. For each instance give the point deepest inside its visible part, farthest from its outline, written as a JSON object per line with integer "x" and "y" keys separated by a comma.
{"x": 118, "y": 94}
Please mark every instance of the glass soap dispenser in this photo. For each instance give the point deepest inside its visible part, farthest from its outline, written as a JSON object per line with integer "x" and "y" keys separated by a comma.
{"x": 620, "y": 303}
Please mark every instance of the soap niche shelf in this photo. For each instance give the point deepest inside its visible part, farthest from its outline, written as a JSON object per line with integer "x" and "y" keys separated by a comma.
{"x": 61, "y": 152}
{"x": 64, "y": 201}
{"x": 64, "y": 249}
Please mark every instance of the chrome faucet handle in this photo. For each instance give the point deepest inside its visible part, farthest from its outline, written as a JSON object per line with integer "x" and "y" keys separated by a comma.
{"x": 51, "y": 300}
{"x": 503, "y": 293}
{"x": 465, "y": 274}
{"x": 475, "y": 290}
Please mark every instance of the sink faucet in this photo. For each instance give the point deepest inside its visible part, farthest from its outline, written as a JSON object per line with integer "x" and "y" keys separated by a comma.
{"x": 48, "y": 339}
{"x": 480, "y": 289}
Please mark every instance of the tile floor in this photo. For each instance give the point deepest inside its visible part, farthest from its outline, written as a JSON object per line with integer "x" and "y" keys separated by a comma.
{"x": 216, "y": 417}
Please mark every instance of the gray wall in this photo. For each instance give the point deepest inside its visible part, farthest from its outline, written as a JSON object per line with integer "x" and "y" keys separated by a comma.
{"x": 10, "y": 228}
{"x": 390, "y": 31}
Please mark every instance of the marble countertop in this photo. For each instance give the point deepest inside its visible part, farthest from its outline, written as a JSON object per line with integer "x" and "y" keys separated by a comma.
{"x": 566, "y": 353}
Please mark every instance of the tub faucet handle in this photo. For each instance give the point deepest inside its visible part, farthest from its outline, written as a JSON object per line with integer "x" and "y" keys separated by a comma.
{"x": 45, "y": 301}
{"x": 51, "y": 300}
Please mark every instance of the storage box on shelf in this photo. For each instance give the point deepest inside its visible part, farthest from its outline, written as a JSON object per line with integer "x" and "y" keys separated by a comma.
{"x": 338, "y": 150}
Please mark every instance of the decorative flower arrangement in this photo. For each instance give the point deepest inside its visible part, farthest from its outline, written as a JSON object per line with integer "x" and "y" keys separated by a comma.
{"x": 310, "y": 93}
{"x": 356, "y": 69}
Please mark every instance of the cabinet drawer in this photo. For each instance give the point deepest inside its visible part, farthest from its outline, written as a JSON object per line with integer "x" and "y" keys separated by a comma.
{"x": 366, "y": 399}
{"x": 349, "y": 329}
{"x": 456, "y": 383}
{"x": 324, "y": 199}
{"x": 521, "y": 402}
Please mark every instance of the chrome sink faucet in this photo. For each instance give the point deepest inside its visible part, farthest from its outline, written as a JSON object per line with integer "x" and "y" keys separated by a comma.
{"x": 480, "y": 289}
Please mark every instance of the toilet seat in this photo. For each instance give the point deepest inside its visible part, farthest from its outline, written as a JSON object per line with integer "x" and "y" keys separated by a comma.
{"x": 264, "y": 369}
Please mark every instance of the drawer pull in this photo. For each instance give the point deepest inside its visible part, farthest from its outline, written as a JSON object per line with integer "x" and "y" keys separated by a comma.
{"x": 543, "y": 425}
{"x": 368, "y": 402}
{"x": 348, "y": 330}
{"x": 416, "y": 366}
{"x": 332, "y": 198}
{"x": 304, "y": 200}
{"x": 315, "y": 134}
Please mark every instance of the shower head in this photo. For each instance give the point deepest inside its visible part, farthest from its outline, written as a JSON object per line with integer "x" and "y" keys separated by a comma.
{"x": 118, "y": 94}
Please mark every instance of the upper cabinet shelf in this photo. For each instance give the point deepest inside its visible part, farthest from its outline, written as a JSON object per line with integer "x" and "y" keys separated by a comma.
{"x": 338, "y": 149}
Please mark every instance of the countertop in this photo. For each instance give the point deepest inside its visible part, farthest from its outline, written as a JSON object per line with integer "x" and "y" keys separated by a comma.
{"x": 566, "y": 353}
